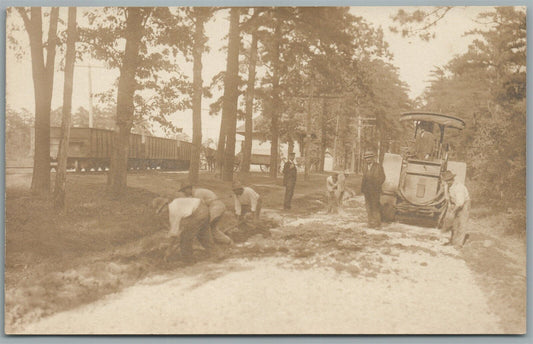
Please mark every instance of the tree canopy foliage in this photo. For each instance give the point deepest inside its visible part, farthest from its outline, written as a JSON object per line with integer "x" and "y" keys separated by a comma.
{"x": 333, "y": 65}
{"x": 487, "y": 87}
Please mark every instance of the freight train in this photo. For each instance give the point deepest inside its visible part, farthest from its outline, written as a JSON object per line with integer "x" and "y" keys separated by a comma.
{"x": 90, "y": 148}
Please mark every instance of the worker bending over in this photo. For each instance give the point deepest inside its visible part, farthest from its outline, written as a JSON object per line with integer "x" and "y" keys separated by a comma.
{"x": 246, "y": 200}
{"x": 189, "y": 218}
{"x": 216, "y": 209}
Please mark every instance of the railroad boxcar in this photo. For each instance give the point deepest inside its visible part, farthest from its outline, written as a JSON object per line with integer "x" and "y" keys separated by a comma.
{"x": 90, "y": 148}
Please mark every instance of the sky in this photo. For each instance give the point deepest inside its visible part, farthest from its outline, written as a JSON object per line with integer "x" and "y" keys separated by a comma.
{"x": 414, "y": 58}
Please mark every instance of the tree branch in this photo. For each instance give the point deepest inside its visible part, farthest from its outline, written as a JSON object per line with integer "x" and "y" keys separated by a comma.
{"x": 25, "y": 18}
{"x": 52, "y": 38}
{"x": 439, "y": 17}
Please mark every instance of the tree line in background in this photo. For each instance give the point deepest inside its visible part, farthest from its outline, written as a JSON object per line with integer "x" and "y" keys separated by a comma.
{"x": 312, "y": 74}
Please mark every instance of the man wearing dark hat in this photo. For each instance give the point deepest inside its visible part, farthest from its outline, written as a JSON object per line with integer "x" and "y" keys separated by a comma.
{"x": 215, "y": 205}
{"x": 246, "y": 200}
{"x": 373, "y": 178}
{"x": 458, "y": 208}
{"x": 289, "y": 180}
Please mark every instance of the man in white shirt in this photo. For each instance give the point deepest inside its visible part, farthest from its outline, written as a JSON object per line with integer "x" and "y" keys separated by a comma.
{"x": 459, "y": 208}
{"x": 246, "y": 200}
{"x": 216, "y": 209}
{"x": 331, "y": 186}
{"x": 341, "y": 188}
{"x": 189, "y": 218}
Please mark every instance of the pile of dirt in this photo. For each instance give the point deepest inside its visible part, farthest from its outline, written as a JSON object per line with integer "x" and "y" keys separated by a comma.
{"x": 242, "y": 231}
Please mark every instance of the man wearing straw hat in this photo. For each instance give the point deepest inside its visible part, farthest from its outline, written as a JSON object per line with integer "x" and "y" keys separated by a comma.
{"x": 458, "y": 208}
{"x": 373, "y": 178}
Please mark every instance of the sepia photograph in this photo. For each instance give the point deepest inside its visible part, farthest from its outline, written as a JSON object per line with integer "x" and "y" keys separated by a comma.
{"x": 265, "y": 170}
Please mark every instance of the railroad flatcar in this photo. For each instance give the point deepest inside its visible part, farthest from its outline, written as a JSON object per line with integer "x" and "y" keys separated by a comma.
{"x": 90, "y": 148}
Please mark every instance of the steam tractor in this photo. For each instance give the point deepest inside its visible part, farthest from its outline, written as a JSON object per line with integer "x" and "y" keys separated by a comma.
{"x": 413, "y": 186}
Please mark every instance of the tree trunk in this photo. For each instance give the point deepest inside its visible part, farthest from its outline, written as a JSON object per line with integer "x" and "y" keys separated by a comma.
{"x": 360, "y": 145}
{"x": 221, "y": 146}
{"x": 117, "y": 176}
{"x": 353, "y": 159}
{"x": 308, "y": 136}
{"x": 382, "y": 145}
{"x": 198, "y": 48}
{"x": 62, "y": 155}
{"x": 323, "y": 136}
{"x": 248, "y": 125}
{"x": 43, "y": 83}
{"x": 231, "y": 93}
{"x": 338, "y": 149}
{"x": 291, "y": 146}
{"x": 275, "y": 107}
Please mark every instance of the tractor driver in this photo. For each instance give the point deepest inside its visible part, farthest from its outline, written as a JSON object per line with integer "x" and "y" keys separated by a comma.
{"x": 425, "y": 141}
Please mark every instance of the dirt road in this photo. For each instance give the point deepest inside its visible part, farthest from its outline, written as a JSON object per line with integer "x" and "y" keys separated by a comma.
{"x": 316, "y": 274}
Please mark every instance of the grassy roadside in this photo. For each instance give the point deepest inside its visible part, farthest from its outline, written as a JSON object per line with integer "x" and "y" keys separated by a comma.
{"x": 497, "y": 256}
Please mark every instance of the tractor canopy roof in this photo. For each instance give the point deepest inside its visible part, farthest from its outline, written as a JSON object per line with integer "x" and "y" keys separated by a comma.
{"x": 445, "y": 120}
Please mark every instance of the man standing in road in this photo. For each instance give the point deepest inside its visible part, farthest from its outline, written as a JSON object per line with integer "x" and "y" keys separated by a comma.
{"x": 459, "y": 208}
{"x": 341, "y": 188}
{"x": 216, "y": 209}
{"x": 289, "y": 180}
{"x": 373, "y": 178}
